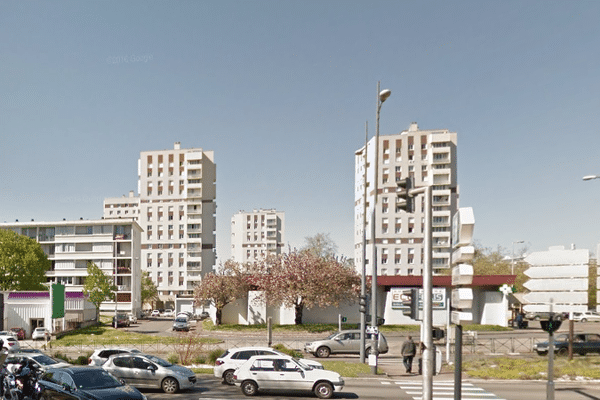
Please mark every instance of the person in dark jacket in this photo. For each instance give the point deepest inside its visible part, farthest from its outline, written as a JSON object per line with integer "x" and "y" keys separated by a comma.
{"x": 409, "y": 350}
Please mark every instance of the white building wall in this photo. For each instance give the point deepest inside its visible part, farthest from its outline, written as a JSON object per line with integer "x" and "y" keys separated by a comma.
{"x": 429, "y": 156}
{"x": 257, "y": 234}
{"x": 109, "y": 243}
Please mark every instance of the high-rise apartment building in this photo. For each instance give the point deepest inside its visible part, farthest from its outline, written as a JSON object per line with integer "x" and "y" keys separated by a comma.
{"x": 428, "y": 156}
{"x": 256, "y": 234}
{"x": 176, "y": 209}
{"x": 114, "y": 245}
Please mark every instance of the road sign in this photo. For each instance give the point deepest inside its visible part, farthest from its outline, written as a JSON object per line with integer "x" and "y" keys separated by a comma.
{"x": 371, "y": 329}
{"x": 458, "y": 317}
{"x": 559, "y": 285}
{"x": 462, "y": 274}
{"x": 557, "y": 308}
{"x": 462, "y": 298}
{"x": 463, "y": 223}
{"x": 463, "y": 254}
{"x": 556, "y": 297}
{"x": 562, "y": 271}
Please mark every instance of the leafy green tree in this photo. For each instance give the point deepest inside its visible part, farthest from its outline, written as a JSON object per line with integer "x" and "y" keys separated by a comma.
{"x": 149, "y": 291}
{"x": 23, "y": 263}
{"x": 98, "y": 286}
{"x": 498, "y": 262}
{"x": 222, "y": 287}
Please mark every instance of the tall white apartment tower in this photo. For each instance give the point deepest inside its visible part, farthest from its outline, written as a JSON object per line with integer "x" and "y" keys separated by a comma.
{"x": 256, "y": 234}
{"x": 176, "y": 209}
{"x": 428, "y": 156}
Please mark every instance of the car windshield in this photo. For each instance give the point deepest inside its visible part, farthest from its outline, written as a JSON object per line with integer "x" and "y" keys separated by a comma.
{"x": 159, "y": 361}
{"x": 300, "y": 363}
{"x": 43, "y": 359}
{"x": 95, "y": 379}
{"x": 332, "y": 336}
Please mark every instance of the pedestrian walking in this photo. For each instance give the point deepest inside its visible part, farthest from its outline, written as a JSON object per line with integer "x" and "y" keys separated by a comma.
{"x": 409, "y": 350}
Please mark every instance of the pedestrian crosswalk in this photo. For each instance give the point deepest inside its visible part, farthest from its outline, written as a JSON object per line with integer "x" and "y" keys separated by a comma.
{"x": 445, "y": 391}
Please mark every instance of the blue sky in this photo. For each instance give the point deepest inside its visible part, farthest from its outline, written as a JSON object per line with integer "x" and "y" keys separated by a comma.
{"x": 281, "y": 91}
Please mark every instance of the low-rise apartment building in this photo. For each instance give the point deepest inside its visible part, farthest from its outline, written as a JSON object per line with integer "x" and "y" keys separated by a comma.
{"x": 114, "y": 245}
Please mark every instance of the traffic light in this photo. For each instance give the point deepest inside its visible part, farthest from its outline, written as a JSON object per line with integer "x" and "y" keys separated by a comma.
{"x": 551, "y": 325}
{"x": 380, "y": 320}
{"x": 411, "y": 304}
{"x": 363, "y": 304}
{"x": 404, "y": 200}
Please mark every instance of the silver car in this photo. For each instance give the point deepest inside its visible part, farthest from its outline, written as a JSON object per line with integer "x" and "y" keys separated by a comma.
{"x": 39, "y": 361}
{"x": 147, "y": 371}
{"x": 344, "y": 342}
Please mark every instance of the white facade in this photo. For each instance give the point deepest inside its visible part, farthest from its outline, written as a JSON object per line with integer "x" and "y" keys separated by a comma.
{"x": 429, "y": 156}
{"x": 177, "y": 210}
{"x": 114, "y": 245}
{"x": 256, "y": 234}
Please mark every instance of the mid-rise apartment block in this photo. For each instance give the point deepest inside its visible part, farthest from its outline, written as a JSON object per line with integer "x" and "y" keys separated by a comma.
{"x": 114, "y": 245}
{"x": 176, "y": 209}
{"x": 256, "y": 234}
{"x": 428, "y": 156}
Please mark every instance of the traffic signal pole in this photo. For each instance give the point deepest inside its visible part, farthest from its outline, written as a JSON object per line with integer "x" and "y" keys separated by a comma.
{"x": 427, "y": 325}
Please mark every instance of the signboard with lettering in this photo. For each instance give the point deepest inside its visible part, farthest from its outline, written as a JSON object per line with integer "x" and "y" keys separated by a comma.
{"x": 400, "y": 296}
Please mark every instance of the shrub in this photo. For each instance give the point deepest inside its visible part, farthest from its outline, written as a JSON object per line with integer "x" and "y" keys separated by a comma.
{"x": 289, "y": 352}
{"x": 81, "y": 360}
{"x": 61, "y": 356}
{"x": 199, "y": 359}
{"x": 173, "y": 358}
{"x": 214, "y": 354}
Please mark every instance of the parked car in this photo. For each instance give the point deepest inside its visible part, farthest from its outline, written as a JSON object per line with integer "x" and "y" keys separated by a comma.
{"x": 284, "y": 373}
{"x": 583, "y": 343}
{"x": 100, "y": 356}
{"x": 84, "y": 383}
{"x": 344, "y": 342}
{"x": 147, "y": 371}
{"x": 202, "y": 315}
{"x": 538, "y": 316}
{"x": 155, "y": 313}
{"x": 39, "y": 334}
{"x": 586, "y": 316}
{"x": 20, "y": 332}
{"x": 39, "y": 360}
{"x": 122, "y": 320}
{"x": 10, "y": 343}
{"x": 226, "y": 364}
{"x": 181, "y": 324}
{"x": 169, "y": 313}
{"x": 132, "y": 318}
{"x": 184, "y": 314}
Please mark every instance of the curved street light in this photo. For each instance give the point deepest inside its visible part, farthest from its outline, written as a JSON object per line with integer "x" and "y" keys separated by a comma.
{"x": 590, "y": 177}
{"x": 382, "y": 96}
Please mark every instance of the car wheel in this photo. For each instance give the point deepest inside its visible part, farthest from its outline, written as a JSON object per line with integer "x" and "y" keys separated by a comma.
{"x": 323, "y": 352}
{"x": 228, "y": 377}
{"x": 563, "y": 351}
{"x": 323, "y": 390}
{"x": 542, "y": 353}
{"x": 249, "y": 388}
{"x": 170, "y": 385}
{"x": 583, "y": 320}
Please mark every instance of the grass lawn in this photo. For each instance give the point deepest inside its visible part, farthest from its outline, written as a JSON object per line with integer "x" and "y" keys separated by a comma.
{"x": 533, "y": 367}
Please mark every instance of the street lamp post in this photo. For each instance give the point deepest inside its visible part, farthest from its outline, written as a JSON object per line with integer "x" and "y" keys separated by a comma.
{"x": 512, "y": 260}
{"x": 363, "y": 280}
{"x": 382, "y": 96}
